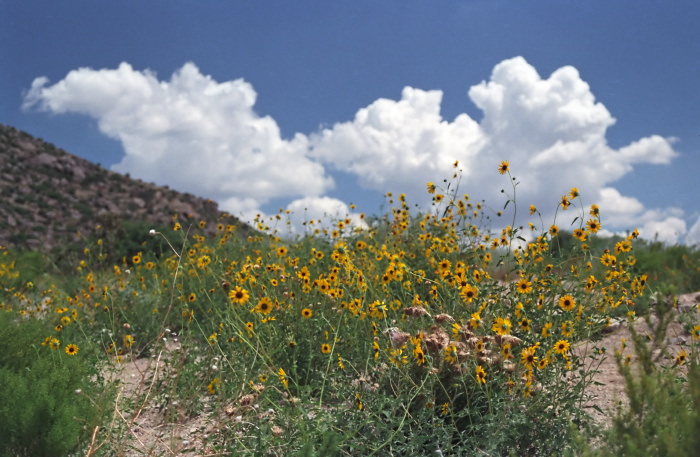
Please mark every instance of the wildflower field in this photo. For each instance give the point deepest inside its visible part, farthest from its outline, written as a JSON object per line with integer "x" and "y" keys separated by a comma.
{"x": 425, "y": 333}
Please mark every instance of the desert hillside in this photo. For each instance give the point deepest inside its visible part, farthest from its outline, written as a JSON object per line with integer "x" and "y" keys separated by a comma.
{"x": 49, "y": 195}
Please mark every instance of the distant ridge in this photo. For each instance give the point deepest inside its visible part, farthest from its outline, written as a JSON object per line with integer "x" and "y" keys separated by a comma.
{"x": 49, "y": 195}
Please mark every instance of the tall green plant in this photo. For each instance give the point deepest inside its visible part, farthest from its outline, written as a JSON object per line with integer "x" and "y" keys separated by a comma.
{"x": 47, "y": 400}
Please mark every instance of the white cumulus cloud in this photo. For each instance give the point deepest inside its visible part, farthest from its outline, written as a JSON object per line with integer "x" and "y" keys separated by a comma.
{"x": 403, "y": 144}
{"x": 693, "y": 235}
{"x": 199, "y": 135}
{"x": 323, "y": 211}
{"x": 551, "y": 130}
{"x": 669, "y": 230}
{"x": 191, "y": 133}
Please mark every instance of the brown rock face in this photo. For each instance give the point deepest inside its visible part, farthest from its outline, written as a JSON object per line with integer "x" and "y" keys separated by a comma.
{"x": 49, "y": 195}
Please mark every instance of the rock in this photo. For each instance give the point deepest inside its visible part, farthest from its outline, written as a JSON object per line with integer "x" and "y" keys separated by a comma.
{"x": 613, "y": 327}
{"x": 27, "y": 145}
{"x": 78, "y": 174}
{"x": 679, "y": 340}
{"x": 688, "y": 302}
{"x": 44, "y": 159}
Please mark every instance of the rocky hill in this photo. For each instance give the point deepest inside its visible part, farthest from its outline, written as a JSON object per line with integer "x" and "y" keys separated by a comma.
{"x": 49, "y": 195}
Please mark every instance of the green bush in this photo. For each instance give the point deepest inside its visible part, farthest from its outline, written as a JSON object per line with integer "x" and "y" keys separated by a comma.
{"x": 126, "y": 238}
{"x": 45, "y": 399}
{"x": 674, "y": 266}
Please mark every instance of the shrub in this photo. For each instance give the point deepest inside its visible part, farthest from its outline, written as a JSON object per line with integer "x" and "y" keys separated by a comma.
{"x": 675, "y": 266}
{"x": 41, "y": 411}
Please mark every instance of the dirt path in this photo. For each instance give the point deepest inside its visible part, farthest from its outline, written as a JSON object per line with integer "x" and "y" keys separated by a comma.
{"x": 611, "y": 392}
{"x": 144, "y": 429}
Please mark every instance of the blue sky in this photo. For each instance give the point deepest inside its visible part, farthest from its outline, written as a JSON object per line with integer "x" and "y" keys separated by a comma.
{"x": 311, "y": 106}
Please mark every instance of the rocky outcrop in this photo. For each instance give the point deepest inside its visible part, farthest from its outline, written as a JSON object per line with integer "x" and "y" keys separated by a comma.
{"x": 48, "y": 195}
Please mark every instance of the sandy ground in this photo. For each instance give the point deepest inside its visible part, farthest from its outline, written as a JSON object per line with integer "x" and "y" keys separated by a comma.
{"x": 611, "y": 391}
{"x": 145, "y": 430}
